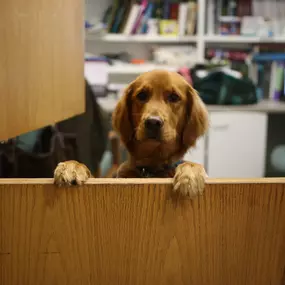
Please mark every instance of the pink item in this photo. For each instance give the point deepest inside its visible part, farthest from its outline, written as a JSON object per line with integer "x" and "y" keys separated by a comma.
{"x": 184, "y": 71}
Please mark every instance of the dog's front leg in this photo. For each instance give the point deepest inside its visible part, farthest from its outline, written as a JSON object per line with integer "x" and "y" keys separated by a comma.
{"x": 71, "y": 173}
{"x": 189, "y": 179}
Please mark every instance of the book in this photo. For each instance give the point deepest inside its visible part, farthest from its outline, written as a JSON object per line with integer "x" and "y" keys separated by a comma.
{"x": 260, "y": 80}
{"x": 118, "y": 19}
{"x": 134, "y": 12}
{"x": 279, "y": 80}
{"x": 143, "y": 7}
{"x": 174, "y": 9}
{"x": 182, "y": 18}
{"x": 112, "y": 17}
{"x": 191, "y": 18}
{"x": 272, "y": 79}
{"x": 210, "y": 17}
{"x": 128, "y": 6}
{"x": 166, "y": 9}
{"x": 146, "y": 18}
{"x": 106, "y": 15}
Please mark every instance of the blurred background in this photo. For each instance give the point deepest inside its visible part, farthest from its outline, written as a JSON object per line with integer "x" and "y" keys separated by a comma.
{"x": 231, "y": 51}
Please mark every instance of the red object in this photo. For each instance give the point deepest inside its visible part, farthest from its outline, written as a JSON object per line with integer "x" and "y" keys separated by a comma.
{"x": 137, "y": 61}
{"x": 244, "y": 8}
{"x": 231, "y": 55}
{"x": 174, "y": 8}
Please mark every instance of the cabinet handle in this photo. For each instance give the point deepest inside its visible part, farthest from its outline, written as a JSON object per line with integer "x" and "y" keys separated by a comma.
{"x": 220, "y": 127}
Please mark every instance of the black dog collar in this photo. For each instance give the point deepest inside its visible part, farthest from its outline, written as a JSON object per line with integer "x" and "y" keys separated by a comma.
{"x": 152, "y": 172}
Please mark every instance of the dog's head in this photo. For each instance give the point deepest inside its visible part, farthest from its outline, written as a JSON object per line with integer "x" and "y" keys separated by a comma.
{"x": 160, "y": 111}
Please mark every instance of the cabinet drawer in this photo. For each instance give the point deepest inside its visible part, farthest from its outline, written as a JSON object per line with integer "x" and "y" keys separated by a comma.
{"x": 237, "y": 144}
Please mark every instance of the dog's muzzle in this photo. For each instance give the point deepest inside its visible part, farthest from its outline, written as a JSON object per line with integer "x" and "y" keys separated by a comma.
{"x": 153, "y": 126}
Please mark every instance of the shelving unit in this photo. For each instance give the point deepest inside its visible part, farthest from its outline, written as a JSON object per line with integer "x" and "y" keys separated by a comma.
{"x": 121, "y": 38}
{"x": 137, "y": 68}
{"x": 117, "y": 38}
{"x": 241, "y": 39}
{"x": 201, "y": 40}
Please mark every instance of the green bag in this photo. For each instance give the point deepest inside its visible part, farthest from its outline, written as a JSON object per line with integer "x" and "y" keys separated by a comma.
{"x": 220, "y": 88}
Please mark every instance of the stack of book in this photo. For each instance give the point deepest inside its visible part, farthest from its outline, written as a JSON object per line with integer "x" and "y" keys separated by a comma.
{"x": 271, "y": 75}
{"x": 262, "y": 18}
{"x": 152, "y": 17}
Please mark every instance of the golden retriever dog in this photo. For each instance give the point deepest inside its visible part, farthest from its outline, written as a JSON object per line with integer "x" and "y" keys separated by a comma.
{"x": 159, "y": 117}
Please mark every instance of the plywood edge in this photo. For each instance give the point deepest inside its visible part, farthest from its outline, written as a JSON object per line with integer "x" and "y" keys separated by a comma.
{"x": 128, "y": 181}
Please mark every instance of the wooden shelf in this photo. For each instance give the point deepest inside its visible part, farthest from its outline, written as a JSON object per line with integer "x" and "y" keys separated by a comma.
{"x": 241, "y": 39}
{"x": 137, "y": 68}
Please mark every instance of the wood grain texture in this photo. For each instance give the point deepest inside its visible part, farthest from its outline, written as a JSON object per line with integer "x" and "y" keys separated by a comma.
{"x": 131, "y": 233}
{"x": 41, "y": 63}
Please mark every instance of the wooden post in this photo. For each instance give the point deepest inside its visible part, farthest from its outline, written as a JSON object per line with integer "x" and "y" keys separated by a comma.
{"x": 135, "y": 232}
{"x": 41, "y": 63}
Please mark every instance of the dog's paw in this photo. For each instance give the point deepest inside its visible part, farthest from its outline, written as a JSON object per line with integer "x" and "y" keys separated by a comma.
{"x": 71, "y": 173}
{"x": 189, "y": 179}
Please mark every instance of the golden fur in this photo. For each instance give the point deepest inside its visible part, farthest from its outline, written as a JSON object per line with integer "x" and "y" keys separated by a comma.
{"x": 166, "y": 95}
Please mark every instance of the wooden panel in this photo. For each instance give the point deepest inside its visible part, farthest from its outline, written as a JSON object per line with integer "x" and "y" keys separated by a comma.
{"x": 41, "y": 63}
{"x": 128, "y": 233}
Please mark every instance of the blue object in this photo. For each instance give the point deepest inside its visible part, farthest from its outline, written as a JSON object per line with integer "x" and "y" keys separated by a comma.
{"x": 88, "y": 25}
{"x": 269, "y": 57}
{"x": 146, "y": 17}
{"x": 97, "y": 58}
{"x": 259, "y": 89}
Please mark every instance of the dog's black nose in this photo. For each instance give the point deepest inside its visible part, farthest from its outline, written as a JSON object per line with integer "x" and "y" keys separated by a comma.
{"x": 153, "y": 123}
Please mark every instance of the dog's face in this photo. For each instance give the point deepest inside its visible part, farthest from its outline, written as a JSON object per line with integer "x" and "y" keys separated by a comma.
{"x": 160, "y": 111}
{"x": 158, "y": 105}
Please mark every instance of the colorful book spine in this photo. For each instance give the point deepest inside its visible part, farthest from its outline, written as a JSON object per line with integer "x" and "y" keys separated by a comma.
{"x": 279, "y": 81}
{"x": 210, "y": 17}
{"x": 118, "y": 20}
{"x": 135, "y": 10}
{"x": 148, "y": 14}
{"x": 272, "y": 79}
{"x": 191, "y": 18}
{"x": 283, "y": 83}
{"x": 182, "y": 18}
{"x": 259, "y": 87}
{"x": 140, "y": 15}
{"x": 166, "y": 10}
{"x": 174, "y": 7}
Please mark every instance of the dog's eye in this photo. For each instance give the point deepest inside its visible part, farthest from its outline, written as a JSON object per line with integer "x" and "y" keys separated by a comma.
{"x": 142, "y": 96}
{"x": 173, "y": 98}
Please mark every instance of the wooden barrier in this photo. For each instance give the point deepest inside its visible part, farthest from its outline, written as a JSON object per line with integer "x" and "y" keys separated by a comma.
{"x": 134, "y": 232}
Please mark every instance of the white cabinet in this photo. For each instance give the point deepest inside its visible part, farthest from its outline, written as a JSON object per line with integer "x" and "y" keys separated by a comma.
{"x": 197, "y": 153}
{"x": 236, "y": 144}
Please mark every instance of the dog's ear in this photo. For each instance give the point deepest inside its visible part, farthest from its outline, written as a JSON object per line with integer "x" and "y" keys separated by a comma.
{"x": 122, "y": 117}
{"x": 197, "y": 119}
